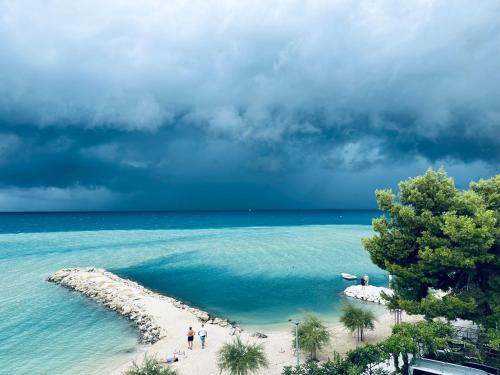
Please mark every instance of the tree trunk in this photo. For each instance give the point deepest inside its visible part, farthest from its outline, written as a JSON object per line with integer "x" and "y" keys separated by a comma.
{"x": 406, "y": 364}
{"x": 396, "y": 362}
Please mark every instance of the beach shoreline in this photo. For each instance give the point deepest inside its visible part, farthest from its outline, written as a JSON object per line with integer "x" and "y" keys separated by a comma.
{"x": 163, "y": 322}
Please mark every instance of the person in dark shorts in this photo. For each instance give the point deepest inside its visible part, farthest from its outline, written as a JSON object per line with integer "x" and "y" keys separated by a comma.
{"x": 190, "y": 335}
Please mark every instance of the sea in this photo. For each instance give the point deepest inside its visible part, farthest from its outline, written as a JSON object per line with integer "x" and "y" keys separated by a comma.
{"x": 258, "y": 268}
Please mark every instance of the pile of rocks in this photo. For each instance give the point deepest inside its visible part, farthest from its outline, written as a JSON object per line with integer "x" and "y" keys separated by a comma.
{"x": 117, "y": 294}
{"x": 126, "y": 297}
{"x": 201, "y": 315}
{"x": 368, "y": 293}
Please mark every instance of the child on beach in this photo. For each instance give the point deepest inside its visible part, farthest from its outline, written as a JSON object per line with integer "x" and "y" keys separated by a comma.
{"x": 190, "y": 335}
{"x": 203, "y": 335}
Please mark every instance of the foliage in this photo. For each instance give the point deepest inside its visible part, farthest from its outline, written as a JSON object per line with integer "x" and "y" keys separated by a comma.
{"x": 335, "y": 366}
{"x": 313, "y": 335}
{"x": 430, "y": 337}
{"x": 239, "y": 358}
{"x": 357, "y": 319}
{"x": 492, "y": 337}
{"x": 489, "y": 190}
{"x": 407, "y": 340}
{"x": 400, "y": 345}
{"x": 366, "y": 356}
{"x": 419, "y": 339}
{"x": 149, "y": 366}
{"x": 443, "y": 238}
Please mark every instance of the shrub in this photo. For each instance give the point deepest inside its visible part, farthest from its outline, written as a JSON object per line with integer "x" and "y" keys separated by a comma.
{"x": 239, "y": 358}
{"x": 149, "y": 366}
{"x": 367, "y": 356}
{"x": 357, "y": 319}
{"x": 335, "y": 366}
{"x": 313, "y": 335}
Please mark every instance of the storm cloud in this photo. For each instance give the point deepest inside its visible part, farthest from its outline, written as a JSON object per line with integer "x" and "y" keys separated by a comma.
{"x": 174, "y": 105}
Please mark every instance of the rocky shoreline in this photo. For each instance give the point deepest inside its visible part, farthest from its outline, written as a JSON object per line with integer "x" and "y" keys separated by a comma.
{"x": 368, "y": 293}
{"x": 127, "y": 298}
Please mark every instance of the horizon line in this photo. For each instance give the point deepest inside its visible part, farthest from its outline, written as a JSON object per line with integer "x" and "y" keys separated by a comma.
{"x": 193, "y": 210}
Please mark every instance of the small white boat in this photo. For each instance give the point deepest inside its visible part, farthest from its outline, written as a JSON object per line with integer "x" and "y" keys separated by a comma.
{"x": 348, "y": 276}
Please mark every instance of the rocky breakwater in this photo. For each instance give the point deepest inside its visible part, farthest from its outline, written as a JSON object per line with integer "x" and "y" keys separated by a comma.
{"x": 129, "y": 299}
{"x": 368, "y": 293}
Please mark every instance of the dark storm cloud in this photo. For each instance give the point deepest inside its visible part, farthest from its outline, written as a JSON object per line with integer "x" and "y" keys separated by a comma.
{"x": 218, "y": 105}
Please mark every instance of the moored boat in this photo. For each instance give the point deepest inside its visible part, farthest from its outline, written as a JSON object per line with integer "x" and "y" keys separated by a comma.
{"x": 348, "y": 276}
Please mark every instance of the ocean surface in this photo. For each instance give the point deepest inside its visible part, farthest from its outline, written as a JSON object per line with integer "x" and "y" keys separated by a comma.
{"x": 256, "y": 268}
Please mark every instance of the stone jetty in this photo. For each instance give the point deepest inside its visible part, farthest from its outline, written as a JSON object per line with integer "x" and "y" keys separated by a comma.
{"x": 368, "y": 293}
{"x": 126, "y": 297}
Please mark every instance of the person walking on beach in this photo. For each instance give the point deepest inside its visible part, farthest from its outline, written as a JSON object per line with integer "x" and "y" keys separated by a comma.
{"x": 190, "y": 335}
{"x": 203, "y": 335}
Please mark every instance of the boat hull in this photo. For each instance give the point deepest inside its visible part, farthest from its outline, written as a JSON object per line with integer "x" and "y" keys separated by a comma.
{"x": 348, "y": 276}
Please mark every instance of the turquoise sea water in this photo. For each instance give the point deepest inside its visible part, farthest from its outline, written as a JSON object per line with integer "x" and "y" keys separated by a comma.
{"x": 257, "y": 268}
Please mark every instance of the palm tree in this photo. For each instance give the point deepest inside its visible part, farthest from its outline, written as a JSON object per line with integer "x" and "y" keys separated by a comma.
{"x": 149, "y": 366}
{"x": 239, "y": 358}
{"x": 357, "y": 319}
{"x": 313, "y": 335}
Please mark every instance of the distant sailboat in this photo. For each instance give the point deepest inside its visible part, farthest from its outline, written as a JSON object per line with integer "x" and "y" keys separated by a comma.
{"x": 348, "y": 276}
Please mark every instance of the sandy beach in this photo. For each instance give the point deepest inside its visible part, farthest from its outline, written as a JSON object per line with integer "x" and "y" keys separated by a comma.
{"x": 127, "y": 297}
{"x": 277, "y": 345}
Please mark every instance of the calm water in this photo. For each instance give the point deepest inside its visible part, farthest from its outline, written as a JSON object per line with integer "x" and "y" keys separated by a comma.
{"x": 257, "y": 268}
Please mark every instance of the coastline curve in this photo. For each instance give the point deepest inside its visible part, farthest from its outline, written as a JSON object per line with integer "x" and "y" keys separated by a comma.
{"x": 129, "y": 299}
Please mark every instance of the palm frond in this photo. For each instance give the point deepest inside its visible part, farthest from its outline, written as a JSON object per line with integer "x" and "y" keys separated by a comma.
{"x": 239, "y": 358}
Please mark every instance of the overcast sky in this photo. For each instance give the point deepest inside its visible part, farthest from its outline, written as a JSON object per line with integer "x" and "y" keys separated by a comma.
{"x": 166, "y": 104}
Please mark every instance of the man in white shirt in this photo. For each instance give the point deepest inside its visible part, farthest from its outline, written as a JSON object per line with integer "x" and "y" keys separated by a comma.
{"x": 203, "y": 335}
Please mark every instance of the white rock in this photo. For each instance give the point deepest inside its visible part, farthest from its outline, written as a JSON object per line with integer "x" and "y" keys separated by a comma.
{"x": 368, "y": 293}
